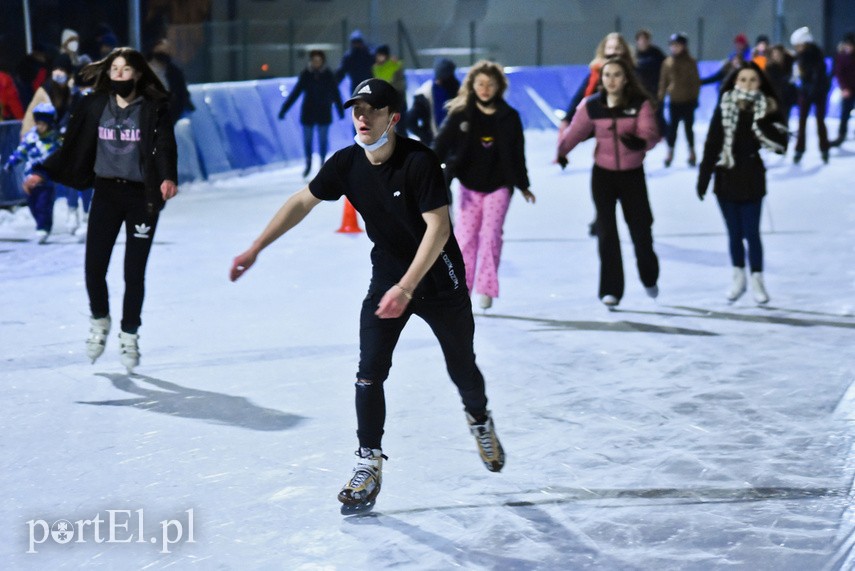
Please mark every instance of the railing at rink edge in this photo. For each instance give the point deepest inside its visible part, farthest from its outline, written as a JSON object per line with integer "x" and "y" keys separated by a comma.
{"x": 235, "y": 129}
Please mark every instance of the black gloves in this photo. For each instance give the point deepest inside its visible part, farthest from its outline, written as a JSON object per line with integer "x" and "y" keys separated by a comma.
{"x": 701, "y": 192}
{"x": 633, "y": 142}
{"x": 562, "y": 162}
{"x": 281, "y": 114}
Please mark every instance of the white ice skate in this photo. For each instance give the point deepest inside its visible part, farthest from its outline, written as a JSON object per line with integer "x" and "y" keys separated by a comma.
{"x": 98, "y": 330}
{"x": 610, "y": 301}
{"x": 72, "y": 222}
{"x": 737, "y": 287}
{"x": 42, "y": 236}
{"x": 758, "y": 288}
{"x": 359, "y": 493}
{"x": 485, "y": 301}
{"x": 129, "y": 350}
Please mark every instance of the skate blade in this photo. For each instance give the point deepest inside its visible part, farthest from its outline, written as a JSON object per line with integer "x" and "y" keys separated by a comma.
{"x": 361, "y": 508}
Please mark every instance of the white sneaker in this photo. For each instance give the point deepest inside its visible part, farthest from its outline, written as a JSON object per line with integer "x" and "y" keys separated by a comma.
{"x": 72, "y": 222}
{"x": 129, "y": 350}
{"x": 609, "y": 300}
{"x": 652, "y": 291}
{"x": 367, "y": 477}
{"x": 758, "y": 288}
{"x": 98, "y": 331}
{"x": 489, "y": 447}
{"x": 42, "y": 236}
{"x": 485, "y": 301}
{"x": 737, "y": 287}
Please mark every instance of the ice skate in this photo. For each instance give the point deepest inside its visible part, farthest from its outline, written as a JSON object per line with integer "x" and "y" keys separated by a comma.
{"x": 72, "y": 222}
{"x": 129, "y": 350}
{"x": 99, "y": 328}
{"x": 42, "y": 236}
{"x": 758, "y": 288}
{"x": 610, "y": 301}
{"x": 737, "y": 287}
{"x": 81, "y": 231}
{"x": 669, "y": 158}
{"x": 359, "y": 493}
{"x": 492, "y": 453}
{"x": 485, "y": 301}
{"x": 652, "y": 291}
{"x": 693, "y": 159}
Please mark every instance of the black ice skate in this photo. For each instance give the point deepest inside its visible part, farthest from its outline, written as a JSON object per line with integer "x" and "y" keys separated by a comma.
{"x": 359, "y": 493}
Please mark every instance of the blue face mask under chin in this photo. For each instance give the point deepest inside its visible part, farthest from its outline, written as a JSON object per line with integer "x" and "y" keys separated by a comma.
{"x": 384, "y": 138}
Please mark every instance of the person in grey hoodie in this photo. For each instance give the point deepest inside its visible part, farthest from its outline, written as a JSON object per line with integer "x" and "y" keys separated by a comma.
{"x": 120, "y": 140}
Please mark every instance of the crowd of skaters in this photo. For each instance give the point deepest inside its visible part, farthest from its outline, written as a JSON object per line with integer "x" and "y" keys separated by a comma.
{"x": 479, "y": 137}
{"x": 108, "y": 124}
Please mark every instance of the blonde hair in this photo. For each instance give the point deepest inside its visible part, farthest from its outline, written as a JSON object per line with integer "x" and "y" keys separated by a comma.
{"x": 489, "y": 68}
{"x": 600, "y": 53}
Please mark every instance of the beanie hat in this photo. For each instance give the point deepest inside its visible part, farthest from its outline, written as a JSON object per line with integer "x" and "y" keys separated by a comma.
{"x": 356, "y": 36}
{"x": 67, "y": 34}
{"x": 741, "y": 39}
{"x": 679, "y": 38}
{"x": 801, "y": 36}
{"x": 383, "y": 49}
{"x": 44, "y": 112}
{"x": 443, "y": 68}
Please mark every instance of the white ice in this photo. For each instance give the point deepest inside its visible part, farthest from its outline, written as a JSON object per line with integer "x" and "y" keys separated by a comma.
{"x": 685, "y": 433}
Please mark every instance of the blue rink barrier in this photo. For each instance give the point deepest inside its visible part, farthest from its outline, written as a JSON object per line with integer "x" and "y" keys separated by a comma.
{"x": 11, "y": 193}
{"x": 235, "y": 128}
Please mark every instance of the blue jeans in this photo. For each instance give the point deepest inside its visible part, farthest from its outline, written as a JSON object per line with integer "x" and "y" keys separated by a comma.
{"x": 323, "y": 141}
{"x": 73, "y": 196}
{"x": 743, "y": 225}
{"x": 40, "y": 201}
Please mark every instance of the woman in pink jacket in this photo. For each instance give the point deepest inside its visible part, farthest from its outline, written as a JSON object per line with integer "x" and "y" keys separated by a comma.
{"x": 620, "y": 116}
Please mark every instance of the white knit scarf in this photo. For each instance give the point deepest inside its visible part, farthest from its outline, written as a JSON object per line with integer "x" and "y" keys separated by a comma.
{"x": 730, "y": 114}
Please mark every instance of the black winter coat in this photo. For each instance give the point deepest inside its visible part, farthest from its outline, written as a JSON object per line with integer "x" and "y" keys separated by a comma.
{"x": 746, "y": 181}
{"x": 320, "y": 92}
{"x": 814, "y": 82}
{"x": 454, "y": 141}
{"x": 74, "y": 163}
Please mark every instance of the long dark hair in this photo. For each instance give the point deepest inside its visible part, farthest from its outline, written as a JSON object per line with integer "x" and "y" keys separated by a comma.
{"x": 148, "y": 85}
{"x": 633, "y": 89}
{"x": 765, "y": 84}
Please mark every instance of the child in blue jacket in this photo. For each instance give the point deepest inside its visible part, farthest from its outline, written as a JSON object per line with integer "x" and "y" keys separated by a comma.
{"x": 37, "y": 145}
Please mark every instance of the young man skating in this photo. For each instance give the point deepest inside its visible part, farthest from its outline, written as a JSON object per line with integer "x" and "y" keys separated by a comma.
{"x": 397, "y": 185}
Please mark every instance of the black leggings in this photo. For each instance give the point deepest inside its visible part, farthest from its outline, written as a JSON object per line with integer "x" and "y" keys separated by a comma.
{"x": 630, "y": 189}
{"x": 115, "y": 203}
{"x": 449, "y": 316}
{"x": 684, "y": 112}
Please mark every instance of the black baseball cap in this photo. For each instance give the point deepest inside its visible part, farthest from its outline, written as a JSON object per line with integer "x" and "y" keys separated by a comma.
{"x": 377, "y": 93}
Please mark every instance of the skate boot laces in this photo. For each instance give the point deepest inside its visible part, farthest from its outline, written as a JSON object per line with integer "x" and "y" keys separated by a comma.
{"x": 365, "y": 482}
{"x": 492, "y": 453}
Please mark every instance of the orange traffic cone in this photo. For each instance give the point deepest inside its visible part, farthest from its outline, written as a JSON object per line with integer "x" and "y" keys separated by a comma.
{"x": 349, "y": 223}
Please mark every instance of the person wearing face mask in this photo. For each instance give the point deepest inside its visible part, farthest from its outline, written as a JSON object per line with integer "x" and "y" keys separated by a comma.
{"x": 397, "y": 186}
{"x": 170, "y": 75}
{"x": 747, "y": 118}
{"x": 622, "y": 118}
{"x": 482, "y": 144}
{"x": 68, "y": 49}
{"x": 120, "y": 141}
{"x": 55, "y": 90}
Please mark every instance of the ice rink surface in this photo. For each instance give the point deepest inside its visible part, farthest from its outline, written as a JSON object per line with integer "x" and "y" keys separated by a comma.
{"x": 683, "y": 433}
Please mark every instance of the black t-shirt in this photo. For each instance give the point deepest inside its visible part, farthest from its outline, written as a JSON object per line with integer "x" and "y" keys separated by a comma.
{"x": 391, "y": 198}
{"x": 483, "y": 172}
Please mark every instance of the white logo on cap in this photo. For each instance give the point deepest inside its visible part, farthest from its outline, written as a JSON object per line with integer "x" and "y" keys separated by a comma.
{"x": 366, "y": 89}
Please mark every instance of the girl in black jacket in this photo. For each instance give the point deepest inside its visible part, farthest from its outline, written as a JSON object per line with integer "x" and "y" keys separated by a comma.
{"x": 482, "y": 142}
{"x": 320, "y": 92}
{"x": 119, "y": 140}
{"x": 747, "y": 117}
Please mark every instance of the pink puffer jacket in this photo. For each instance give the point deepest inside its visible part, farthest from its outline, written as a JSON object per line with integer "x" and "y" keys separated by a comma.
{"x": 608, "y": 124}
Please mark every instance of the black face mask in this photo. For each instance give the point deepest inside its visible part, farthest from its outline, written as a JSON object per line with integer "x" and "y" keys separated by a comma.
{"x": 122, "y": 88}
{"x": 487, "y": 103}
